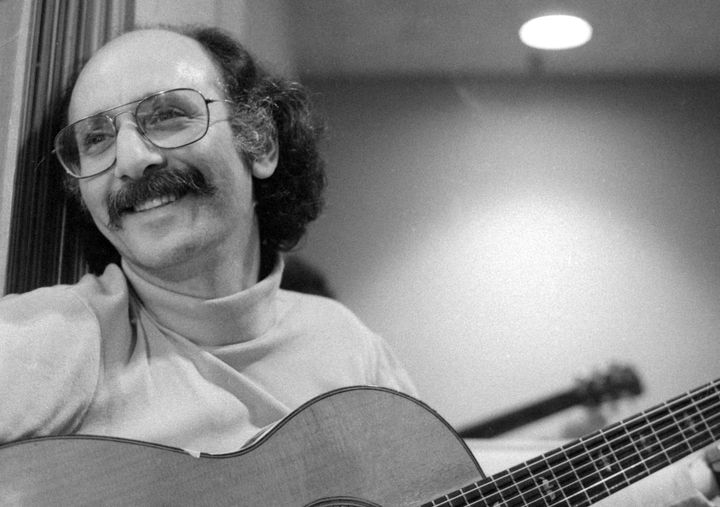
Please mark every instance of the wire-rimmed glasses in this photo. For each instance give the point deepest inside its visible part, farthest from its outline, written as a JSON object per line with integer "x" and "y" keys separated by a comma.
{"x": 167, "y": 119}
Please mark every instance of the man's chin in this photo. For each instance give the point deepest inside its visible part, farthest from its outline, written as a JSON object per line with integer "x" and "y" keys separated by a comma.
{"x": 157, "y": 260}
{"x": 158, "y": 243}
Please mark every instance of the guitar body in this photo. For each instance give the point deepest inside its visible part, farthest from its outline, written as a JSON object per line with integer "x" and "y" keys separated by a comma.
{"x": 357, "y": 446}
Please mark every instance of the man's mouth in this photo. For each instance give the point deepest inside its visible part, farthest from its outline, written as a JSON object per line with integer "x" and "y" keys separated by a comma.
{"x": 157, "y": 189}
{"x": 154, "y": 203}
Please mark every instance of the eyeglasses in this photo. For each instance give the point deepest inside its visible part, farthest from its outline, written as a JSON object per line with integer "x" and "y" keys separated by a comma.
{"x": 168, "y": 119}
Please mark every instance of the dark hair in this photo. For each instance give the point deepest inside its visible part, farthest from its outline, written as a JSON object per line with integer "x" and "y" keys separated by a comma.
{"x": 270, "y": 112}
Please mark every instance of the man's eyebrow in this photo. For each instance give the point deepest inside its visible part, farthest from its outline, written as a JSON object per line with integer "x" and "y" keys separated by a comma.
{"x": 100, "y": 112}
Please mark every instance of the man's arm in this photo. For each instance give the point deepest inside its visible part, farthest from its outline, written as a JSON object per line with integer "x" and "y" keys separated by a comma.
{"x": 49, "y": 363}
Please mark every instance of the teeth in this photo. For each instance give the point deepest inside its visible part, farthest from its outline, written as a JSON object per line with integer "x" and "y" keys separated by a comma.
{"x": 154, "y": 203}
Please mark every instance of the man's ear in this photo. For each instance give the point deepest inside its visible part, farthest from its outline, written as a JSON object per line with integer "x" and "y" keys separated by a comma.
{"x": 264, "y": 165}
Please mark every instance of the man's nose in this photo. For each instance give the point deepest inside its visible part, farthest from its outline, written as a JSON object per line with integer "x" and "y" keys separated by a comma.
{"x": 134, "y": 153}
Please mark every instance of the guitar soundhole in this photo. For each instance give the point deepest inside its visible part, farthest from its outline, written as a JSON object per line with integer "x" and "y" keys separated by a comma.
{"x": 342, "y": 501}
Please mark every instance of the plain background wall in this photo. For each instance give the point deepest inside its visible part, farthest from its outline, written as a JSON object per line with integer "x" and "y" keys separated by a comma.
{"x": 508, "y": 236}
{"x": 259, "y": 24}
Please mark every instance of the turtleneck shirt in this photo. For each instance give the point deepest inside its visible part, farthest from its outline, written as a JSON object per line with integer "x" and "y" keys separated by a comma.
{"x": 114, "y": 355}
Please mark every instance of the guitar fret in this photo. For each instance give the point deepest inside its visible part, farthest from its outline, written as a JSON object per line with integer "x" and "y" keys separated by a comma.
{"x": 472, "y": 493}
{"x": 637, "y": 452}
{"x": 539, "y": 492}
{"x": 597, "y": 466}
{"x": 586, "y": 471}
{"x": 525, "y": 484}
{"x": 546, "y": 482}
{"x": 615, "y": 436}
{"x": 507, "y": 488}
{"x": 714, "y": 422}
{"x": 653, "y": 449}
{"x": 682, "y": 415}
{"x": 672, "y": 440}
{"x": 579, "y": 499}
{"x": 714, "y": 411}
{"x": 457, "y": 501}
{"x": 703, "y": 406}
{"x": 438, "y": 502}
{"x": 598, "y": 456}
{"x": 573, "y": 486}
{"x": 615, "y": 457}
{"x": 489, "y": 492}
{"x": 613, "y": 465}
{"x": 453, "y": 499}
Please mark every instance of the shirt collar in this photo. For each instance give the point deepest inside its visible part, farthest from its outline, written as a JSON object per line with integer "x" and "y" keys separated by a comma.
{"x": 239, "y": 317}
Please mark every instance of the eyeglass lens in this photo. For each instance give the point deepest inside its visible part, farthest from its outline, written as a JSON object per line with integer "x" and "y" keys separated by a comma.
{"x": 168, "y": 120}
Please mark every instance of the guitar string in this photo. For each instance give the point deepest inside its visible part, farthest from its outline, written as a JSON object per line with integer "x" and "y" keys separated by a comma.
{"x": 566, "y": 461}
{"x": 704, "y": 436}
{"x": 643, "y": 460}
{"x": 583, "y": 489}
{"x": 623, "y": 424}
{"x": 645, "y": 470}
{"x": 628, "y": 479}
{"x": 701, "y": 438}
{"x": 693, "y": 403}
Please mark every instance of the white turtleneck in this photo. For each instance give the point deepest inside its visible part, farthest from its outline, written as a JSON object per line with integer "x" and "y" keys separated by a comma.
{"x": 114, "y": 355}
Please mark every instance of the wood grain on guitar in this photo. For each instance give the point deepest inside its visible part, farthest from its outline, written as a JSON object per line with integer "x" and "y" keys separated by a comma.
{"x": 356, "y": 447}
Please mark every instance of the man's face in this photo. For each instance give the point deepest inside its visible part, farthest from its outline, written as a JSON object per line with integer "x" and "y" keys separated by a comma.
{"x": 164, "y": 235}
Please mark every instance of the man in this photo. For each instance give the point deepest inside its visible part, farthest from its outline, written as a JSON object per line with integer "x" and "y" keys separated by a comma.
{"x": 198, "y": 168}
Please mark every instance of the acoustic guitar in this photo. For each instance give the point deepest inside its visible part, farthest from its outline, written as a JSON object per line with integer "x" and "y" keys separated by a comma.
{"x": 356, "y": 447}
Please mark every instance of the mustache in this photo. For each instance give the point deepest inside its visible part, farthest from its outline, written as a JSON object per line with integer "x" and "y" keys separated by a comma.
{"x": 156, "y": 184}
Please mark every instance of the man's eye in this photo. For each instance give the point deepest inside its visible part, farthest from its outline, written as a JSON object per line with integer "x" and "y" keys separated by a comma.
{"x": 95, "y": 142}
{"x": 166, "y": 117}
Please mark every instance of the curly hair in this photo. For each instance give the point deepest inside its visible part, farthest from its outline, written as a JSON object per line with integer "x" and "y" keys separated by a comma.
{"x": 269, "y": 112}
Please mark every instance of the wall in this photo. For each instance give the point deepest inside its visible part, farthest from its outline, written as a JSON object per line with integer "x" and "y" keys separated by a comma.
{"x": 506, "y": 236}
{"x": 259, "y": 24}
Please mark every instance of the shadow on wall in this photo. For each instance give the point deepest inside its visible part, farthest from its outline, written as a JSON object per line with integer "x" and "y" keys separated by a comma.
{"x": 301, "y": 276}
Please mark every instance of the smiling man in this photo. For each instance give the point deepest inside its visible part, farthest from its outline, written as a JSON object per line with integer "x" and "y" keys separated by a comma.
{"x": 199, "y": 169}
{"x": 173, "y": 194}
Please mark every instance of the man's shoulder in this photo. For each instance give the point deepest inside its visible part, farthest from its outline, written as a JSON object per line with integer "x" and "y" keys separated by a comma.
{"x": 92, "y": 293}
{"x": 311, "y": 305}
{"x": 50, "y": 356}
{"x": 321, "y": 316}
{"x": 333, "y": 330}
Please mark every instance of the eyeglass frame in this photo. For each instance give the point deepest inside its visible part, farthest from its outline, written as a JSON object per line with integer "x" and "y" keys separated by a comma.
{"x": 140, "y": 130}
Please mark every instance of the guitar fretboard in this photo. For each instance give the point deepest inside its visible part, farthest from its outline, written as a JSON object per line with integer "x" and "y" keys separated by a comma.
{"x": 591, "y": 468}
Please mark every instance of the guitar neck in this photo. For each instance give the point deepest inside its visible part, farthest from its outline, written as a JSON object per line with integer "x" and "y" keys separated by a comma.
{"x": 591, "y": 468}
